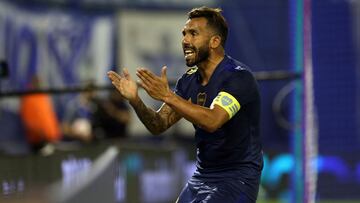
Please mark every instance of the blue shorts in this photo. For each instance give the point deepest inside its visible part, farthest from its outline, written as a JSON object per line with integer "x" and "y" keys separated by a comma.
{"x": 213, "y": 192}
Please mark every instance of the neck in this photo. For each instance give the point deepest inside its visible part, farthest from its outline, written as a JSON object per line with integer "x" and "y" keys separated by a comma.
{"x": 207, "y": 67}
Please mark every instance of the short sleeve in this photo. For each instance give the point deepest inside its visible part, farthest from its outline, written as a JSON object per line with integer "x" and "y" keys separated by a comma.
{"x": 241, "y": 85}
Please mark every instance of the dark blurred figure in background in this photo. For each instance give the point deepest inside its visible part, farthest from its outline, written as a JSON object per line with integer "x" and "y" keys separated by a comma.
{"x": 79, "y": 115}
{"x": 111, "y": 117}
{"x": 90, "y": 117}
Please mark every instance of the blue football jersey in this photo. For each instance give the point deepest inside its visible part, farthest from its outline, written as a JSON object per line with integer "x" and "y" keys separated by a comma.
{"x": 233, "y": 151}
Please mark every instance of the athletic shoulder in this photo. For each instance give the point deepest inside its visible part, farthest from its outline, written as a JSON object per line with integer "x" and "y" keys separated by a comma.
{"x": 236, "y": 69}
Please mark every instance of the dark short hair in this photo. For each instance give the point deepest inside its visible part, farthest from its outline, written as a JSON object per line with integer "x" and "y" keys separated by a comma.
{"x": 214, "y": 19}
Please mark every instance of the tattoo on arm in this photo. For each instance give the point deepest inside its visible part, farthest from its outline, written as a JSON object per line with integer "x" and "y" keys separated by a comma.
{"x": 156, "y": 121}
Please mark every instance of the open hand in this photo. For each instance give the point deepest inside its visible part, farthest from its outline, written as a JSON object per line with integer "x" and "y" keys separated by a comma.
{"x": 124, "y": 84}
{"x": 157, "y": 87}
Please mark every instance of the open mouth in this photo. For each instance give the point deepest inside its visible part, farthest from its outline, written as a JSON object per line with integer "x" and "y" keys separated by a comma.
{"x": 188, "y": 53}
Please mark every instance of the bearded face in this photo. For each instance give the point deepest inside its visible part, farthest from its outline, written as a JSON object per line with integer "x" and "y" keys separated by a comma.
{"x": 196, "y": 40}
{"x": 195, "y": 55}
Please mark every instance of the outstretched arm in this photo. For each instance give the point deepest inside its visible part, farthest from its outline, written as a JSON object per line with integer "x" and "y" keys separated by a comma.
{"x": 155, "y": 121}
{"x": 210, "y": 119}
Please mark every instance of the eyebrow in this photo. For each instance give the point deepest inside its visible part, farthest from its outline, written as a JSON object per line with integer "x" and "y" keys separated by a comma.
{"x": 190, "y": 30}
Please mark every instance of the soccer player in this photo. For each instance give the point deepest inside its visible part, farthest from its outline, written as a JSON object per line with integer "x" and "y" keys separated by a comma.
{"x": 220, "y": 96}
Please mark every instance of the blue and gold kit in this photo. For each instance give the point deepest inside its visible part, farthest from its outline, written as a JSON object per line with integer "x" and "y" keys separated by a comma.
{"x": 233, "y": 152}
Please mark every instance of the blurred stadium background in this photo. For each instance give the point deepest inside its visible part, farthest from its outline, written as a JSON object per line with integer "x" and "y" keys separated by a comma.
{"x": 305, "y": 55}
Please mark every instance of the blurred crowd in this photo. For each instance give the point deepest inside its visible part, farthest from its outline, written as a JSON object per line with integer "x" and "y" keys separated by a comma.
{"x": 88, "y": 117}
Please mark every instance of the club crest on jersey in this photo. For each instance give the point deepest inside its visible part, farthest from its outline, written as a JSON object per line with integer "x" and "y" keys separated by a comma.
{"x": 201, "y": 99}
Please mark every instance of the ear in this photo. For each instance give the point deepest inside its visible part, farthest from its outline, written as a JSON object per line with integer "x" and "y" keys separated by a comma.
{"x": 215, "y": 41}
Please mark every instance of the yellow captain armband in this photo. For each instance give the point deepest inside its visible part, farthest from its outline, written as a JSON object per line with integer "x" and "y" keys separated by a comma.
{"x": 227, "y": 102}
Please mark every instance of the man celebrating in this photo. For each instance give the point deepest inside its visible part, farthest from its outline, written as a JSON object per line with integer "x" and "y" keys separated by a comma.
{"x": 220, "y": 97}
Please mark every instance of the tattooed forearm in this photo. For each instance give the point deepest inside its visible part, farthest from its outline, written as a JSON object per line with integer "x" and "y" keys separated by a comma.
{"x": 155, "y": 122}
{"x": 152, "y": 121}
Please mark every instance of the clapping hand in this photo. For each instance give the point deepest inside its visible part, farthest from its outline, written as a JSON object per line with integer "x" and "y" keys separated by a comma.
{"x": 124, "y": 84}
{"x": 157, "y": 87}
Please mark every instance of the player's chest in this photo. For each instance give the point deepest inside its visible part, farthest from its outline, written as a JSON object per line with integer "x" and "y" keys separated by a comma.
{"x": 204, "y": 95}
